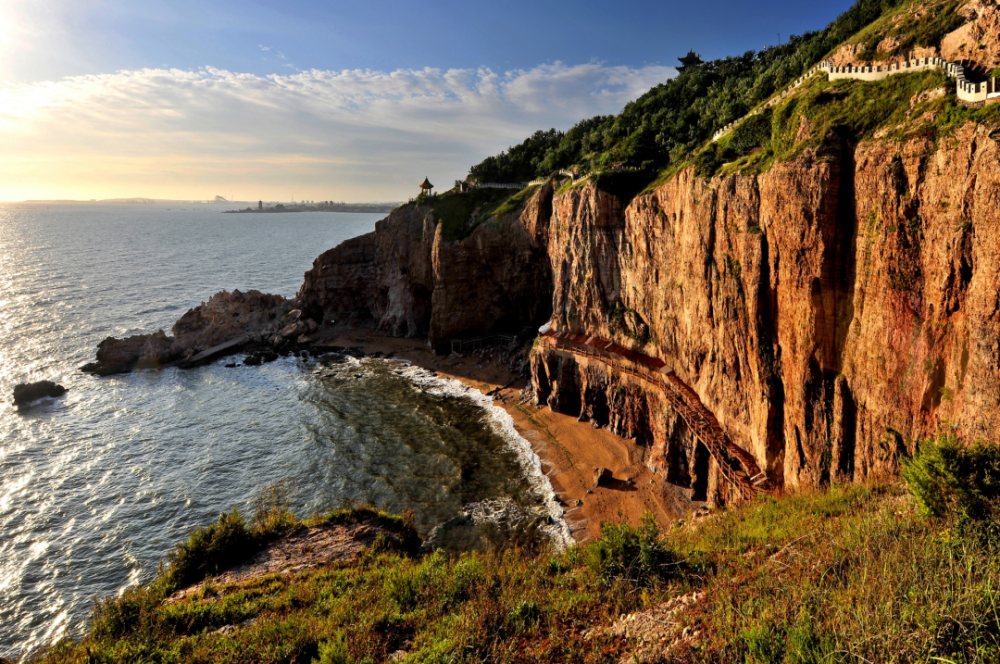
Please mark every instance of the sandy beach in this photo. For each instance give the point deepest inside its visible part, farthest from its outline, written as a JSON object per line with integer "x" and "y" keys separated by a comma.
{"x": 569, "y": 450}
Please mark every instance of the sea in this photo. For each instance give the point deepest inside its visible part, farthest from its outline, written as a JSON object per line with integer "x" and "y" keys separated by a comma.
{"x": 97, "y": 486}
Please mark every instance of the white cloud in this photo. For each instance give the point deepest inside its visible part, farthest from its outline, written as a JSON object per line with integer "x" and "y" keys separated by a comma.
{"x": 264, "y": 48}
{"x": 353, "y": 134}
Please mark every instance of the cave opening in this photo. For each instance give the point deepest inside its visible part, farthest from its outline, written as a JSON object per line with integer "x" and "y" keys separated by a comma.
{"x": 699, "y": 484}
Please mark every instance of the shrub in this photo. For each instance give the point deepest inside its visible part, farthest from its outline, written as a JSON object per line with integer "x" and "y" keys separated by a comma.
{"x": 271, "y": 511}
{"x": 333, "y": 651}
{"x": 754, "y": 132}
{"x": 212, "y": 549}
{"x": 632, "y": 554}
{"x": 945, "y": 476}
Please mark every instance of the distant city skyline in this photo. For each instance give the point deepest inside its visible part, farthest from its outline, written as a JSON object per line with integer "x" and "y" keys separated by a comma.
{"x": 359, "y": 101}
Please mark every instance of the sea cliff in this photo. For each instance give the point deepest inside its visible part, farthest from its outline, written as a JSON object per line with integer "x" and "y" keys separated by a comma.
{"x": 829, "y": 311}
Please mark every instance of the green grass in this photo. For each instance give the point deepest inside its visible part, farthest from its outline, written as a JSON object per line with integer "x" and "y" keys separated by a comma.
{"x": 846, "y": 109}
{"x": 852, "y": 574}
{"x": 461, "y": 213}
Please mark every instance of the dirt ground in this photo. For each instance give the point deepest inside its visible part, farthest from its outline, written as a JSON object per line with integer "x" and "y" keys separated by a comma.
{"x": 569, "y": 450}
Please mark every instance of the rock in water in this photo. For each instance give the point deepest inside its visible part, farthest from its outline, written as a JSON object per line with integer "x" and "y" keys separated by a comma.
{"x": 25, "y": 393}
{"x": 116, "y": 356}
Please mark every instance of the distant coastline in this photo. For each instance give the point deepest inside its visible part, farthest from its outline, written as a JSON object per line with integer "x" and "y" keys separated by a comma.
{"x": 319, "y": 207}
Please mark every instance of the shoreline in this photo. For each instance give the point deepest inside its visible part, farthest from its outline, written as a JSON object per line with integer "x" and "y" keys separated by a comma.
{"x": 569, "y": 450}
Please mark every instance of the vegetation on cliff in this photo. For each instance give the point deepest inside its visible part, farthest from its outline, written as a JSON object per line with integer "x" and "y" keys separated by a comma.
{"x": 857, "y": 573}
{"x": 661, "y": 129}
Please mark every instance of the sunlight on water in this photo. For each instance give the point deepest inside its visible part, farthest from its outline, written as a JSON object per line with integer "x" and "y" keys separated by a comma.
{"x": 98, "y": 485}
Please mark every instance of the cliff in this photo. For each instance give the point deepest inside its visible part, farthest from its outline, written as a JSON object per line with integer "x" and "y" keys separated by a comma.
{"x": 411, "y": 280}
{"x": 829, "y": 311}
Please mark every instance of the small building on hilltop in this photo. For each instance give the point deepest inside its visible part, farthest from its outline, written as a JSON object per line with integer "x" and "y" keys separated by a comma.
{"x": 692, "y": 59}
{"x": 426, "y": 188}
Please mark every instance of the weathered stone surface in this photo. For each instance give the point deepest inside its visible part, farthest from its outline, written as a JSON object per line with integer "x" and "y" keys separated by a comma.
{"x": 411, "y": 281}
{"x": 830, "y": 312}
{"x": 25, "y": 393}
{"x": 227, "y": 315}
{"x": 602, "y": 476}
{"x": 116, "y": 356}
{"x": 223, "y": 317}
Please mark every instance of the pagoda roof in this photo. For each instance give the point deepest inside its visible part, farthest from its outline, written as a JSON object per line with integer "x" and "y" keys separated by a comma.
{"x": 690, "y": 59}
{"x": 427, "y": 184}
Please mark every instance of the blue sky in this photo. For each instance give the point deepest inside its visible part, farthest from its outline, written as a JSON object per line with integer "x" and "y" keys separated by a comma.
{"x": 345, "y": 100}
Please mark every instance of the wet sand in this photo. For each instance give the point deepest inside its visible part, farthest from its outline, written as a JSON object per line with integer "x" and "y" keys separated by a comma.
{"x": 569, "y": 450}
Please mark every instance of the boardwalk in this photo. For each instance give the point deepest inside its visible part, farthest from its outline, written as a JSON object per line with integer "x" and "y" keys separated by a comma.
{"x": 737, "y": 466}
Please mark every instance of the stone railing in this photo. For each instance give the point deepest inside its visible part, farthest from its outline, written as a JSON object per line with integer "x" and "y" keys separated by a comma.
{"x": 966, "y": 90}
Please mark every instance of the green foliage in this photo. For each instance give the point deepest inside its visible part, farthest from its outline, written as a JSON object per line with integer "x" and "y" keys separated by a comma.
{"x": 626, "y": 553}
{"x": 333, "y": 651}
{"x": 809, "y": 577}
{"x": 519, "y": 163}
{"x": 461, "y": 213}
{"x": 211, "y": 550}
{"x": 946, "y": 477}
{"x": 667, "y": 124}
{"x": 272, "y": 514}
{"x": 754, "y": 132}
{"x": 407, "y": 541}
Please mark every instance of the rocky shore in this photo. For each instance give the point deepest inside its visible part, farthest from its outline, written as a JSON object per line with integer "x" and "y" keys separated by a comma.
{"x": 227, "y": 323}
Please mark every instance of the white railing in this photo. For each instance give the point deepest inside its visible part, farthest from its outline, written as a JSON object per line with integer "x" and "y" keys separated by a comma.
{"x": 966, "y": 90}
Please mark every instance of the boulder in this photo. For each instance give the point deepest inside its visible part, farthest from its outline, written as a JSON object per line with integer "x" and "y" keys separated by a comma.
{"x": 25, "y": 393}
{"x": 123, "y": 355}
{"x": 602, "y": 476}
{"x": 293, "y": 330}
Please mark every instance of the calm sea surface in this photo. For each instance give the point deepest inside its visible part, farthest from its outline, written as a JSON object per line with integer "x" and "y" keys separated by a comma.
{"x": 97, "y": 486}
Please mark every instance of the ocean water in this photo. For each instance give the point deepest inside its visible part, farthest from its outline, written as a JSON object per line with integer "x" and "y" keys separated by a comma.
{"x": 97, "y": 486}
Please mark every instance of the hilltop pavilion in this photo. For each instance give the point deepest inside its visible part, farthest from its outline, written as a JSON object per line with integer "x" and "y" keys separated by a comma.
{"x": 692, "y": 59}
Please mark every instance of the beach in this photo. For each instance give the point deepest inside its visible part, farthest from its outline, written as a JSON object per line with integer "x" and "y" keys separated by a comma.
{"x": 570, "y": 451}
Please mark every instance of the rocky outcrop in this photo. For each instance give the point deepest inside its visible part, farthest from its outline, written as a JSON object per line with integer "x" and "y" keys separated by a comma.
{"x": 978, "y": 41}
{"x": 830, "y": 312}
{"x": 225, "y": 316}
{"x": 411, "y": 281}
{"x": 25, "y": 393}
{"x": 497, "y": 279}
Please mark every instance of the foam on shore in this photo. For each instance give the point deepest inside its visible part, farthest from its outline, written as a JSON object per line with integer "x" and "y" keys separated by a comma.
{"x": 501, "y": 421}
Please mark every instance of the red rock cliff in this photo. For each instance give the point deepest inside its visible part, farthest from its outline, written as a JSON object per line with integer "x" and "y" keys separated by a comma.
{"x": 411, "y": 281}
{"x": 830, "y": 312}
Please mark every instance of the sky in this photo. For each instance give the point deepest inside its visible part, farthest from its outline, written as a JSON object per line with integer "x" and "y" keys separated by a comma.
{"x": 353, "y": 101}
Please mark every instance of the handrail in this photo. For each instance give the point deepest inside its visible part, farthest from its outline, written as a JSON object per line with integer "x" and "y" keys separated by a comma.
{"x": 684, "y": 401}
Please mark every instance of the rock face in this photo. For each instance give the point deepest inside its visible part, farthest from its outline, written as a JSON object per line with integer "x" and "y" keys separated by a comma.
{"x": 225, "y": 316}
{"x": 830, "y": 312}
{"x": 411, "y": 281}
{"x": 25, "y": 393}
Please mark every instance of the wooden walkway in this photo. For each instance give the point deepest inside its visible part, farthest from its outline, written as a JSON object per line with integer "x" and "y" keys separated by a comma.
{"x": 738, "y": 467}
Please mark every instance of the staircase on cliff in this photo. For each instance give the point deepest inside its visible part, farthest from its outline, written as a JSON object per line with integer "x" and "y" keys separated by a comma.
{"x": 743, "y": 477}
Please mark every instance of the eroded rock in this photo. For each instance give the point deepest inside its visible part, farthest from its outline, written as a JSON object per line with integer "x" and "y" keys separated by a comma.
{"x": 25, "y": 393}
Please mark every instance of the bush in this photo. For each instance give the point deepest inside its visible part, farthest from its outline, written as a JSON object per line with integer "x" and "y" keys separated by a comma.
{"x": 212, "y": 549}
{"x": 947, "y": 477}
{"x": 272, "y": 514}
{"x": 632, "y": 554}
{"x": 754, "y": 132}
{"x": 333, "y": 651}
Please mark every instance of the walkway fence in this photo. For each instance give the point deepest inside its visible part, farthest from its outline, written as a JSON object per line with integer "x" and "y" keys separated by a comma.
{"x": 968, "y": 92}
